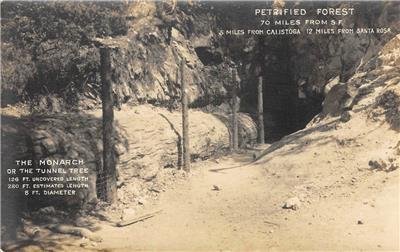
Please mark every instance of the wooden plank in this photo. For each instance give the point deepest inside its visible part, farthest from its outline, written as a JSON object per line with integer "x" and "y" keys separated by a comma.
{"x": 135, "y": 220}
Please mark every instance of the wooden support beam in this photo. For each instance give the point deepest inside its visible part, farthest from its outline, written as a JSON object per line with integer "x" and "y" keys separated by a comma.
{"x": 235, "y": 133}
{"x": 108, "y": 180}
{"x": 185, "y": 120}
{"x": 260, "y": 111}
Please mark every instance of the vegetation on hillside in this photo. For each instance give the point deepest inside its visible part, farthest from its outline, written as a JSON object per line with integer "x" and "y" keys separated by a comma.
{"x": 46, "y": 46}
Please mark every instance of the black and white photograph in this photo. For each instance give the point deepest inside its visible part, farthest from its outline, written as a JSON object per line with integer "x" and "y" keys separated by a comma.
{"x": 200, "y": 125}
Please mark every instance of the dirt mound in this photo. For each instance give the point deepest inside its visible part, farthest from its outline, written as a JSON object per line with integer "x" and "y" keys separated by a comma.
{"x": 154, "y": 147}
{"x": 148, "y": 143}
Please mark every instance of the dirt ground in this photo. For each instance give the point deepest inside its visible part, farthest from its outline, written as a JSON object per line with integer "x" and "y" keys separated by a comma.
{"x": 246, "y": 214}
{"x": 231, "y": 203}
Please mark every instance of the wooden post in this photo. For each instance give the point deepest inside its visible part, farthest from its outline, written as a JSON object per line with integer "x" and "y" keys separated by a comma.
{"x": 108, "y": 182}
{"x": 260, "y": 111}
{"x": 185, "y": 120}
{"x": 235, "y": 137}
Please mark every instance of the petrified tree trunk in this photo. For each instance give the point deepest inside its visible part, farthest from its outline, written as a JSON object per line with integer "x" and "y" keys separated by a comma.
{"x": 107, "y": 181}
{"x": 235, "y": 137}
{"x": 185, "y": 120}
{"x": 260, "y": 110}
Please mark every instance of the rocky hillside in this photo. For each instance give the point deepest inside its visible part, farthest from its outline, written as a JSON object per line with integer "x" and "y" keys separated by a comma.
{"x": 359, "y": 122}
{"x": 158, "y": 36}
{"x": 148, "y": 70}
{"x": 296, "y": 69}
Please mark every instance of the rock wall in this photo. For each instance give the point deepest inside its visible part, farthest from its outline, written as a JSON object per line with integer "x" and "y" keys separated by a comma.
{"x": 146, "y": 70}
{"x": 316, "y": 59}
{"x": 375, "y": 87}
{"x": 69, "y": 137}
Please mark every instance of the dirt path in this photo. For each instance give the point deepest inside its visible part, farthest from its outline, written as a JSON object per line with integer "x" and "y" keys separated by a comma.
{"x": 345, "y": 205}
{"x": 197, "y": 217}
{"x": 246, "y": 214}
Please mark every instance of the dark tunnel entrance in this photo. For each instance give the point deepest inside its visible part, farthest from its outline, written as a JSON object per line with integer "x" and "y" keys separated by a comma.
{"x": 286, "y": 107}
